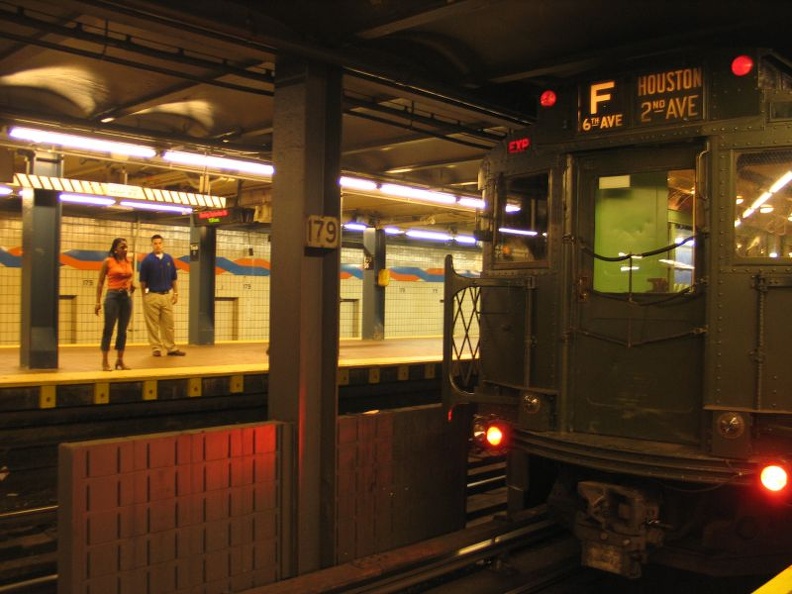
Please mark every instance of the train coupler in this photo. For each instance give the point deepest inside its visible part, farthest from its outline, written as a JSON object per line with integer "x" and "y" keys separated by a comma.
{"x": 617, "y": 528}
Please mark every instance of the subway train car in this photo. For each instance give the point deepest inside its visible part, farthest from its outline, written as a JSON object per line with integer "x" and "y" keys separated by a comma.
{"x": 628, "y": 334}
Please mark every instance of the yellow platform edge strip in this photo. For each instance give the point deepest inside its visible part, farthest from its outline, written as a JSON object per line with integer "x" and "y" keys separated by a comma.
{"x": 780, "y": 584}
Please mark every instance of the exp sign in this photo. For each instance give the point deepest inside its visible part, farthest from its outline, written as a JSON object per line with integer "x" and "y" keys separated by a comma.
{"x": 661, "y": 97}
{"x": 519, "y": 145}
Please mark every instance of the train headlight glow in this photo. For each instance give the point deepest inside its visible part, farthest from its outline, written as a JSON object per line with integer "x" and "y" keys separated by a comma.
{"x": 494, "y": 436}
{"x": 774, "y": 477}
{"x": 491, "y": 434}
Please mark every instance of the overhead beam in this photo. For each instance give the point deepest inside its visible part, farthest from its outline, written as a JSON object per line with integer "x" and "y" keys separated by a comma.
{"x": 423, "y": 17}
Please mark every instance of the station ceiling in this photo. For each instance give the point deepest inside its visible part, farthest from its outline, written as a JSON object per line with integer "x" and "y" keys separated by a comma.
{"x": 429, "y": 85}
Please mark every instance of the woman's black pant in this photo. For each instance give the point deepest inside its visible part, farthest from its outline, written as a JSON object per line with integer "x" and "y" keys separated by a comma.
{"x": 117, "y": 308}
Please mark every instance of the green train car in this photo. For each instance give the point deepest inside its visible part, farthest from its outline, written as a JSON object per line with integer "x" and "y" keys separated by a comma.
{"x": 629, "y": 329}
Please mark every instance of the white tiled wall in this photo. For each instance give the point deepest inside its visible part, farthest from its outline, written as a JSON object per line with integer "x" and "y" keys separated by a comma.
{"x": 412, "y": 307}
{"x": 242, "y": 308}
{"x": 415, "y": 307}
{"x": 350, "y": 314}
{"x": 10, "y": 281}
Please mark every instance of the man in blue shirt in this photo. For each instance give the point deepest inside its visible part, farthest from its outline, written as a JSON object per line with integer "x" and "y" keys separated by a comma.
{"x": 157, "y": 280}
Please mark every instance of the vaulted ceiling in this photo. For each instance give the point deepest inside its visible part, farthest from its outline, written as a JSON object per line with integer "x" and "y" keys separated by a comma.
{"x": 429, "y": 85}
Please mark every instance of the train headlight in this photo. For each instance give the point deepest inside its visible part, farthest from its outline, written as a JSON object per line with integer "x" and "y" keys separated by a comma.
{"x": 774, "y": 477}
{"x": 494, "y": 436}
{"x": 491, "y": 434}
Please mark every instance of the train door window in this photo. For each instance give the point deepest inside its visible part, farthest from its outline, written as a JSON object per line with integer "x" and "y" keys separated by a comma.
{"x": 521, "y": 232}
{"x": 643, "y": 232}
{"x": 763, "y": 203}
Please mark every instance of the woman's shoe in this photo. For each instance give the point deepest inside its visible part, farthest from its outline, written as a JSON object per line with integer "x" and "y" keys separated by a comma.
{"x": 121, "y": 365}
{"x": 106, "y": 367}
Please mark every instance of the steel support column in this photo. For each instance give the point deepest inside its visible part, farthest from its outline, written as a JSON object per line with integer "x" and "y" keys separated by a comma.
{"x": 373, "y": 289}
{"x": 41, "y": 218}
{"x": 305, "y": 296}
{"x": 203, "y": 256}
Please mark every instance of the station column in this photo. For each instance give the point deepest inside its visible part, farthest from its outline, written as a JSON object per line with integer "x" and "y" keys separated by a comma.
{"x": 203, "y": 258}
{"x": 305, "y": 294}
{"x": 374, "y": 284}
{"x": 41, "y": 218}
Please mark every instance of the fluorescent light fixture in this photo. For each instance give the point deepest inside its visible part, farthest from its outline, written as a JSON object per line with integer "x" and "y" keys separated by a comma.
{"x": 676, "y": 264}
{"x": 511, "y": 231}
{"x": 5, "y": 190}
{"x": 778, "y": 185}
{"x": 431, "y": 235}
{"x": 357, "y": 183}
{"x": 86, "y": 199}
{"x": 781, "y": 182}
{"x": 759, "y": 201}
{"x": 355, "y": 226}
{"x": 466, "y": 239}
{"x": 155, "y": 206}
{"x": 512, "y": 208}
{"x": 393, "y": 231}
{"x": 476, "y": 203}
{"x": 82, "y": 142}
{"x": 210, "y": 162}
{"x": 629, "y": 268}
{"x": 417, "y": 193}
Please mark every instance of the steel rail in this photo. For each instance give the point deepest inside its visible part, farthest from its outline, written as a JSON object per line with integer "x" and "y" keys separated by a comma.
{"x": 539, "y": 529}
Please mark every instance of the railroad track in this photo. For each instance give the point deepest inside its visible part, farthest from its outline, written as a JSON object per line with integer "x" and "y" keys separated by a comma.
{"x": 552, "y": 554}
{"x": 444, "y": 563}
{"x": 486, "y": 487}
{"x": 28, "y": 531}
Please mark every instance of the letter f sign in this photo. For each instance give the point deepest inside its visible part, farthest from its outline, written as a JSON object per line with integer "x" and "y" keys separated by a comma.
{"x": 599, "y": 94}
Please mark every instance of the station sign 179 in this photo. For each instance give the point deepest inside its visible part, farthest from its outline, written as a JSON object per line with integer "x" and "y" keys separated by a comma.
{"x": 655, "y": 98}
{"x": 322, "y": 232}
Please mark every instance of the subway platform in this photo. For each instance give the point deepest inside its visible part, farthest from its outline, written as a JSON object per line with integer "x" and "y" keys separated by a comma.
{"x": 82, "y": 363}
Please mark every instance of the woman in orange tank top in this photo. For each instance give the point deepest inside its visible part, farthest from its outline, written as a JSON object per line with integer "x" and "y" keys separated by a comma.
{"x": 117, "y": 270}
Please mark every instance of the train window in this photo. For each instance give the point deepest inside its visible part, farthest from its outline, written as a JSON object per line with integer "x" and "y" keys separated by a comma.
{"x": 643, "y": 234}
{"x": 521, "y": 235}
{"x": 763, "y": 203}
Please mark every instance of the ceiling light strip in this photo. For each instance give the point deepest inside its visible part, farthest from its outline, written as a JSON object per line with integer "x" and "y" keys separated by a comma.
{"x": 204, "y": 161}
{"x": 81, "y": 142}
{"x": 223, "y": 163}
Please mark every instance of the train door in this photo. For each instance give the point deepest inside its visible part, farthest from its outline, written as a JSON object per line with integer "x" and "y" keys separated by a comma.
{"x": 637, "y": 312}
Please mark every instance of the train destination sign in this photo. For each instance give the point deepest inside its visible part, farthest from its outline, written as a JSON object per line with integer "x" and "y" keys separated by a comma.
{"x": 663, "y": 97}
{"x": 218, "y": 216}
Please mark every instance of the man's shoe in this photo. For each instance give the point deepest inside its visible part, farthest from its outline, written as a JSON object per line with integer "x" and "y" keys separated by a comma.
{"x": 176, "y": 353}
{"x": 156, "y": 354}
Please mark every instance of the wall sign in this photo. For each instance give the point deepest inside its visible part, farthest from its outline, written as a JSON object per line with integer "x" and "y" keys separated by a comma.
{"x": 322, "y": 232}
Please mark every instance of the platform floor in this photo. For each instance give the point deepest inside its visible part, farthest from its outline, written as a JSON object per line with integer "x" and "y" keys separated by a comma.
{"x": 84, "y": 362}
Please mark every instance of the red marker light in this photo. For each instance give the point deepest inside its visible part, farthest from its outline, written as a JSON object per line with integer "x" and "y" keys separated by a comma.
{"x": 742, "y": 65}
{"x": 774, "y": 478}
{"x": 548, "y": 99}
